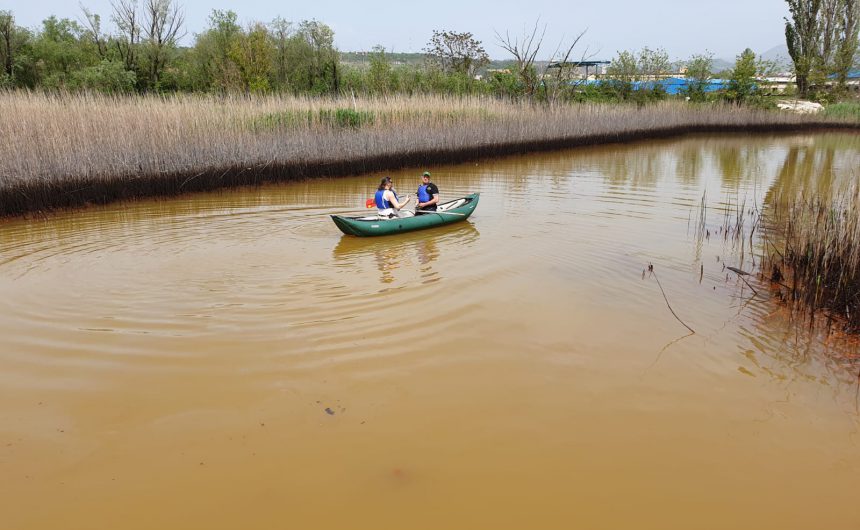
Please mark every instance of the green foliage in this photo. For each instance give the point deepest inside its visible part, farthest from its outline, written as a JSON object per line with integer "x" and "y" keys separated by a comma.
{"x": 653, "y": 63}
{"x": 623, "y": 68}
{"x": 213, "y": 68}
{"x": 628, "y": 68}
{"x": 343, "y": 118}
{"x": 505, "y": 84}
{"x": 603, "y": 92}
{"x": 698, "y": 75}
{"x": 822, "y": 39}
{"x": 61, "y": 51}
{"x": 252, "y": 54}
{"x": 315, "y": 58}
{"x": 845, "y": 110}
{"x": 455, "y": 52}
{"x": 346, "y": 118}
{"x": 379, "y": 76}
{"x": 742, "y": 81}
{"x": 109, "y": 77}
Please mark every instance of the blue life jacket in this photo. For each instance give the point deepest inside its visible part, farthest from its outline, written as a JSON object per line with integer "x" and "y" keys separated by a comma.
{"x": 423, "y": 196}
{"x": 381, "y": 203}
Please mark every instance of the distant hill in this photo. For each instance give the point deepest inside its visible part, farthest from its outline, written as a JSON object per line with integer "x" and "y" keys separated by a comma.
{"x": 778, "y": 54}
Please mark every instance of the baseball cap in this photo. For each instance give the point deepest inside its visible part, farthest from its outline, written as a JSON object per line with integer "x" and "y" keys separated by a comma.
{"x": 426, "y": 174}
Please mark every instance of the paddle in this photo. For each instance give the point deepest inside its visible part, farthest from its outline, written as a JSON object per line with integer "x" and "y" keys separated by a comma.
{"x": 371, "y": 203}
{"x": 440, "y": 213}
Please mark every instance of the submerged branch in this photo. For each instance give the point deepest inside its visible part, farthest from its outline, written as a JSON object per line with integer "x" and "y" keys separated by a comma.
{"x": 654, "y": 273}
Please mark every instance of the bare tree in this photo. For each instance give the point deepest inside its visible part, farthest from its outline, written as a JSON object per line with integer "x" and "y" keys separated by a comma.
{"x": 562, "y": 79}
{"x": 127, "y": 21}
{"x": 525, "y": 49}
{"x": 93, "y": 23}
{"x": 162, "y": 29}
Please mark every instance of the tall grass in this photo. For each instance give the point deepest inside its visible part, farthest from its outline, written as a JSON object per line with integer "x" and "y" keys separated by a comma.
{"x": 847, "y": 110}
{"x": 66, "y": 150}
{"x": 815, "y": 255}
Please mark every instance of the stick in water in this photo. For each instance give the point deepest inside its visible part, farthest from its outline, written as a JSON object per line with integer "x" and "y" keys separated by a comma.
{"x": 651, "y": 270}
{"x": 741, "y": 275}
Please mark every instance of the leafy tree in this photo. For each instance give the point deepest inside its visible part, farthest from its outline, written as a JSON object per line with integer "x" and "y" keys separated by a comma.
{"x": 623, "y": 67}
{"x": 822, "y": 38}
{"x": 698, "y": 75}
{"x": 380, "y": 71}
{"x": 16, "y": 59}
{"x": 646, "y": 66}
{"x": 214, "y": 69}
{"x": 7, "y": 35}
{"x": 652, "y": 64}
{"x": 457, "y": 52}
{"x": 315, "y": 57}
{"x": 252, "y": 52}
{"x": 849, "y": 28}
{"x": 59, "y": 50}
{"x": 505, "y": 84}
{"x": 280, "y": 31}
{"x": 742, "y": 82}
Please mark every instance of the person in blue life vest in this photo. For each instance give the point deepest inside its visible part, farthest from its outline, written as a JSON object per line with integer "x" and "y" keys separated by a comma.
{"x": 428, "y": 194}
{"x": 387, "y": 202}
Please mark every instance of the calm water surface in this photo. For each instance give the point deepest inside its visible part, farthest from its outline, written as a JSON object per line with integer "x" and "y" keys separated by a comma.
{"x": 230, "y": 360}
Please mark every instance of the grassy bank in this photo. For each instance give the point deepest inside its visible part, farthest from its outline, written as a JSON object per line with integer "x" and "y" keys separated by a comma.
{"x": 847, "y": 110}
{"x": 70, "y": 150}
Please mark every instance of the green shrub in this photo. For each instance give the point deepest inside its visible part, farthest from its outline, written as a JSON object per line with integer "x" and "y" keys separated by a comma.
{"x": 845, "y": 110}
{"x": 346, "y": 118}
{"x": 109, "y": 77}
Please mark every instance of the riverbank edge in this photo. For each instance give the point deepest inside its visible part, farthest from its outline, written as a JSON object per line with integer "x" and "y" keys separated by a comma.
{"x": 79, "y": 192}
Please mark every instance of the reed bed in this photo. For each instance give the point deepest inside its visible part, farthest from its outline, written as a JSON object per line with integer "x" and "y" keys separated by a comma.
{"x": 62, "y": 150}
{"x": 814, "y": 256}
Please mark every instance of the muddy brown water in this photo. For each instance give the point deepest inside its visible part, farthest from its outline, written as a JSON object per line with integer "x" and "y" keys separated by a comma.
{"x": 230, "y": 360}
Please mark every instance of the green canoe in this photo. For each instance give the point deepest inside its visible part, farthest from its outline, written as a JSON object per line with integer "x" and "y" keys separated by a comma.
{"x": 371, "y": 225}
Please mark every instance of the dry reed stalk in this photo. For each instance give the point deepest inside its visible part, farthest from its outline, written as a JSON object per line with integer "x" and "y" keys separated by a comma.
{"x": 820, "y": 242}
{"x": 66, "y": 150}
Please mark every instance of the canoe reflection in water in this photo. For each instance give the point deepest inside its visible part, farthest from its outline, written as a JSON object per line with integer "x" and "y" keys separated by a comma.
{"x": 408, "y": 255}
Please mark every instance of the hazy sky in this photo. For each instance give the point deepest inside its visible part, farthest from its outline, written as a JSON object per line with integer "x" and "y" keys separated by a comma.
{"x": 682, "y": 27}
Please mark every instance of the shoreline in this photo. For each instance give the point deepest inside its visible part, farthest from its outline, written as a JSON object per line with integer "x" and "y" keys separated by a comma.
{"x": 80, "y": 192}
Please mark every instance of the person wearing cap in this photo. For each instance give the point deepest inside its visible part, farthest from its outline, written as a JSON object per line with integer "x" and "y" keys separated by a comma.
{"x": 387, "y": 202}
{"x": 428, "y": 194}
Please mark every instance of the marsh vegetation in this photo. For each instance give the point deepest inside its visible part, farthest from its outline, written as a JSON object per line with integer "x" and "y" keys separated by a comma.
{"x": 69, "y": 150}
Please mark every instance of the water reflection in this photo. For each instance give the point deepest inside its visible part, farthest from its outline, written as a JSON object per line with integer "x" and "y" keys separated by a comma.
{"x": 411, "y": 253}
{"x": 274, "y": 342}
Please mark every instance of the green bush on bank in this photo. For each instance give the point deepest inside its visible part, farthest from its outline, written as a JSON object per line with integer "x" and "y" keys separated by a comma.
{"x": 342, "y": 118}
{"x": 845, "y": 110}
